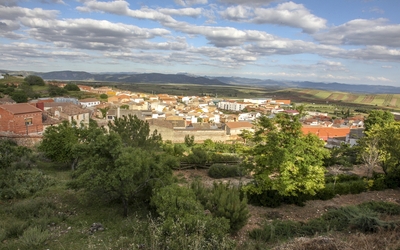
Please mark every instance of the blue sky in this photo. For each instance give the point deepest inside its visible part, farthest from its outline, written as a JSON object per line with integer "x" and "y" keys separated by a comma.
{"x": 347, "y": 41}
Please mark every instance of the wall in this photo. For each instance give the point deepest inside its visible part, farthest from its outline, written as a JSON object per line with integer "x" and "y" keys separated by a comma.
{"x": 22, "y": 140}
{"x": 16, "y": 123}
{"x": 178, "y": 135}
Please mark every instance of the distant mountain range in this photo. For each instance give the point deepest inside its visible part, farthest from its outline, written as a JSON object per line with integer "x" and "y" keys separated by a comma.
{"x": 204, "y": 80}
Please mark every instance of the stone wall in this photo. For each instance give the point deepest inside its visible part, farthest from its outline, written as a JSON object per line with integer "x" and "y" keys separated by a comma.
{"x": 23, "y": 140}
{"x": 200, "y": 135}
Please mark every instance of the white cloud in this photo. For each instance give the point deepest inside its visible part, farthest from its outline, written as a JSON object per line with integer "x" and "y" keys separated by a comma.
{"x": 387, "y": 66}
{"x": 190, "y": 2}
{"x": 13, "y": 13}
{"x": 378, "y": 79}
{"x": 248, "y": 2}
{"x": 238, "y": 13}
{"x": 8, "y": 3}
{"x": 93, "y": 34}
{"x": 192, "y": 12}
{"x": 285, "y": 14}
{"x": 362, "y": 32}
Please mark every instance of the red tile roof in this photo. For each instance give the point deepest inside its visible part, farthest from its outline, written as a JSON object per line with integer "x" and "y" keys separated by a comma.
{"x": 20, "y": 108}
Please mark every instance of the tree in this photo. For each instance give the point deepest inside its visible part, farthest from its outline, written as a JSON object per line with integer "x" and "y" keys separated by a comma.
{"x": 56, "y": 91}
{"x": 135, "y": 132}
{"x": 378, "y": 117}
{"x": 189, "y": 140}
{"x": 104, "y": 111}
{"x": 60, "y": 142}
{"x": 380, "y": 147}
{"x": 34, "y": 80}
{"x": 72, "y": 87}
{"x": 19, "y": 96}
{"x": 285, "y": 159}
{"x": 103, "y": 96}
{"x": 125, "y": 173}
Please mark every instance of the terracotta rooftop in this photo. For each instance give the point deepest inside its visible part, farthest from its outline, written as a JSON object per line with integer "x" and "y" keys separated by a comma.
{"x": 233, "y": 125}
{"x": 20, "y": 108}
{"x": 89, "y": 100}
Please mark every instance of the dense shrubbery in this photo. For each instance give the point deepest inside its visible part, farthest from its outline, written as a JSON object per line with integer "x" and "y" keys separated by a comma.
{"x": 183, "y": 220}
{"x": 19, "y": 178}
{"x": 225, "y": 171}
{"x": 335, "y": 185}
{"x": 363, "y": 218}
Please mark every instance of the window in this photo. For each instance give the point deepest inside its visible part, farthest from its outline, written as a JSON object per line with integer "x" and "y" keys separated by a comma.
{"x": 28, "y": 121}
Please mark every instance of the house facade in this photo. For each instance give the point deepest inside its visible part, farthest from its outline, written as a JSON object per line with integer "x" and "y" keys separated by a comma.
{"x": 89, "y": 102}
{"x": 20, "y": 118}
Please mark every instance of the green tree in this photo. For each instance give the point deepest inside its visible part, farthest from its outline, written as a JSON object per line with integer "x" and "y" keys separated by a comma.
{"x": 103, "y": 96}
{"x": 135, "y": 132}
{"x": 60, "y": 142}
{"x": 285, "y": 159}
{"x": 382, "y": 145}
{"x": 125, "y": 173}
{"x": 19, "y": 96}
{"x": 378, "y": 117}
{"x": 104, "y": 112}
{"x": 189, "y": 140}
{"x": 72, "y": 87}
{"x": 56, "y": 91}
{"x": 34, "y": 80}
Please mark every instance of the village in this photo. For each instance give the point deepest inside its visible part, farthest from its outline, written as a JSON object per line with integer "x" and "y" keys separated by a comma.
{"x": 174, "y": 117}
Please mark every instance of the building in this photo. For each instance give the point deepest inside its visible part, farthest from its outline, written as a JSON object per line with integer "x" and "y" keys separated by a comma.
{"x": 20, "y": 118}
{"x": 70, "y": 112}
{"x": 89, "y": 102}
{"x": 236, "y": 128}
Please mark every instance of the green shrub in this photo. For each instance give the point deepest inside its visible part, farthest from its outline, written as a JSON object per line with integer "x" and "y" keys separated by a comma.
{"x": 227, "y": 202}
{"x": 15, "y": 229}
{"x": 381, "y": 207}
{"x": 221, "y": 158}
{"x": 23, "y": 183}
{"x": 225, "y": 171}
{"x": 33, "y": 208}
{"x": 34, "y": 236}
{"x": 366, "y": 223}
{"x": 379, "y": 182}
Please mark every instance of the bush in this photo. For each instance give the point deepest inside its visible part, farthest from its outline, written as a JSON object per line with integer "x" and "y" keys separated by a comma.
{"x": 34, "y": 236}
{"x": 23, "y": 183}
{"x": 227, "y": 202}
{"x": 72, "y": 87}
{"x": 225, "y": 171}
{"x": 33, "y": 208}
{"x": 381, "y": 207}
{"x": 379, "y": 183}
{"x": 222, "y": 158}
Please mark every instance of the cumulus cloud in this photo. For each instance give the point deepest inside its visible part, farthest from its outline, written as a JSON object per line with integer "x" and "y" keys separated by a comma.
{"x": 92, "y": 34}
{"x": 248, "y": 2}
{"x": 8, "y": 3}
{"x": 192, "y": 12}
{"x": 52, "y": 1}
{"x": 378, "y": 79}
{"x": 362, "y": 32}
{"x": 190, "y": 2}
{"x": 13, "y": 13}
{"x": 285, "y": 14}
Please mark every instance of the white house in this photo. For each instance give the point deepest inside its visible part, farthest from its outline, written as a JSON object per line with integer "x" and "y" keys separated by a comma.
{"x": 89, "y": 102}
{"x": 233, "y": 105}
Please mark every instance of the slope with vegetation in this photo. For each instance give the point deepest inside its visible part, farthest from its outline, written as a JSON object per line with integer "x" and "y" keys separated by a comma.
{"x": 85, "y": 187}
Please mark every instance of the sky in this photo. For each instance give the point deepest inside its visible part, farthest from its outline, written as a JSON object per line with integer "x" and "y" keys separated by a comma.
{"x": 346, "y": 41}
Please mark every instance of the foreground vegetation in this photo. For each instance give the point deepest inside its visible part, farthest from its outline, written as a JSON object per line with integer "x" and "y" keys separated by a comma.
{"x": 85, "y": 187}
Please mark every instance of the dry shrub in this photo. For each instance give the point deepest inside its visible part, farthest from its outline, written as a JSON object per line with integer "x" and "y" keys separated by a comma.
{"x": 317, "y": 243}
{"x": 384, "y": 239}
